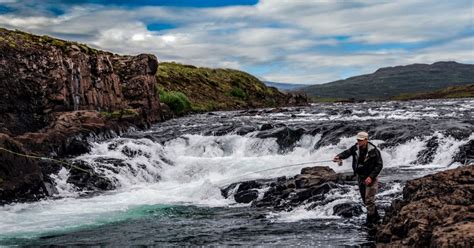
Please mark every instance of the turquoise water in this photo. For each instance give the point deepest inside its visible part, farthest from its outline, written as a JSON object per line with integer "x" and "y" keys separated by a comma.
{"x": 191, "y": 225}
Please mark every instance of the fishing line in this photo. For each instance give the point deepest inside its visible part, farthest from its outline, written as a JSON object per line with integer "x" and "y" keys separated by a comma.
{"x": 71, "y": 165}
{"x": 270, "y": 169}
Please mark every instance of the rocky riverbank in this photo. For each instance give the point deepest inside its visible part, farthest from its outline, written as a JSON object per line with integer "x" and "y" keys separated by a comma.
{"x": 435, "y": 211}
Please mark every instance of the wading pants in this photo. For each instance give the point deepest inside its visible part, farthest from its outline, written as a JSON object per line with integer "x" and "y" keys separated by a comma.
{"x": 368, "y": 197}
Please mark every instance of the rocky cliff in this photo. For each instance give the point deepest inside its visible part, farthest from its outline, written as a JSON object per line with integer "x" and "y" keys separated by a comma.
{"x": 435, "y": 211}
{"x": 55, "y": 95}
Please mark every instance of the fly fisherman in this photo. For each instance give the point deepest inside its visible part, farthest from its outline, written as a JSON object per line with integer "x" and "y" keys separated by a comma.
{"x": 367, "y": 164}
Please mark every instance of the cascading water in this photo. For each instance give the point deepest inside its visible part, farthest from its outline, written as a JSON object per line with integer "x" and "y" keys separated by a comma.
{"x": 167, "y": 180}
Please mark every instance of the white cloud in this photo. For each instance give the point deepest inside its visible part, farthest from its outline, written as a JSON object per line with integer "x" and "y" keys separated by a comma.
{"x": 27, "y": 22}
{"x": 307, "y": 41}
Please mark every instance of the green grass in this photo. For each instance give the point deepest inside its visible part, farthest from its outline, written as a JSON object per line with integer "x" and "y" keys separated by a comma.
{"x": 238, "y": 92}
{"x": 22, "y": 40}
{"x": 177, "y": 101}
{"x": 118, "y": 114}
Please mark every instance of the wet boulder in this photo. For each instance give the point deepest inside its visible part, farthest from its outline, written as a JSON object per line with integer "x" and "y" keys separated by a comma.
{"x": 244, "y": 130}
{"x": 465, "y": 154}
{"x": 84, "y": 177}
{"x": 266, "y": 126}
{"x": 246, "y": 196}
{"x": 348, "y": 210}
{"x": 426, "y": 155}
{"x": 306, "y": 189}
{"x": 286, "y": 137}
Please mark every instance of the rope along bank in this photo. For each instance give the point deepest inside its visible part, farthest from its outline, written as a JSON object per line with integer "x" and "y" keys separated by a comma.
{"x": 71, "y": 165}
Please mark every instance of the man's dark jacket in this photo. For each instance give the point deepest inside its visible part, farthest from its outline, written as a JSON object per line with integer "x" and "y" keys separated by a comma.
{"x": 372, "y": 164}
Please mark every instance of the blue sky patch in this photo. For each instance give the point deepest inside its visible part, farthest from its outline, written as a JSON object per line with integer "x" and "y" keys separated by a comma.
{"x": 170, "y": 3}
{"x": 5, "y": 10}
{"x": 159, "y": 26}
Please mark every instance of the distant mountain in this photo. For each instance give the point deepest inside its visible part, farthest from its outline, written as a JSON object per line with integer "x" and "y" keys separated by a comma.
{"x": 393, "y": 81}
{"x": 459, "y": 91}
{"x": 284, "y": 86}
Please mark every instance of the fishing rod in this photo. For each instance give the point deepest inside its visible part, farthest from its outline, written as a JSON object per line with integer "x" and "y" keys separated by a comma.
{"x": 275, "y": 168}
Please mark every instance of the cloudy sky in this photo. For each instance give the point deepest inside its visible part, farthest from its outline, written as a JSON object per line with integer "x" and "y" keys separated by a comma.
{"x": 292, "y": 41}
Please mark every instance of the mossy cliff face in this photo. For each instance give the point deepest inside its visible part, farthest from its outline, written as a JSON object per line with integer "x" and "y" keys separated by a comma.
{"x": 222, "y": 89}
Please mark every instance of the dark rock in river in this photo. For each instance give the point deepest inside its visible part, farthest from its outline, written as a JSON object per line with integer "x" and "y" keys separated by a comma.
{"x": 436, "y": 211}
{"x": 306, "y": 189}
{"x": 465, "y": 154}
{"x": 83, "y": 176}
{"x": 348, "y": 210}
{"x": 286, "y": 137}
{"x": 426, "y": 155}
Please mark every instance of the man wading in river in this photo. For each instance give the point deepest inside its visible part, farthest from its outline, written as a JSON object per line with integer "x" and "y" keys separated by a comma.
{"x": 367, "y": 164}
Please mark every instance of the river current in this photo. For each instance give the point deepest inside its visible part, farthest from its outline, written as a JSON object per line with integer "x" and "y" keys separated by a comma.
{"x": 168, "y": 178}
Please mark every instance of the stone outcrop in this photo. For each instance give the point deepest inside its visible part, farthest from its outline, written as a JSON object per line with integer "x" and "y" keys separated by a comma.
{"x": 55, "y": 96}
{"x": 308, "y": 189}
{"x": 435, "y": 211}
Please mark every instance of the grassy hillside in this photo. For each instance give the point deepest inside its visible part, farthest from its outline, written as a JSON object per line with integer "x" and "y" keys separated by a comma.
{"x": 20, "y": 40}
{"x": 217, "y": 89}
{"x": 462, "y": 91}
{"x": 393, "y": 81}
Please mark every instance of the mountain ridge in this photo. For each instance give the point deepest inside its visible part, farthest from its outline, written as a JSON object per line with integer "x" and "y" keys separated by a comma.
{"x": 388, "y": 82}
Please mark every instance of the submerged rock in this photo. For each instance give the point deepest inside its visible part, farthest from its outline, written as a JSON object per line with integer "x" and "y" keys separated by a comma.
{"x": 436, "y": 211}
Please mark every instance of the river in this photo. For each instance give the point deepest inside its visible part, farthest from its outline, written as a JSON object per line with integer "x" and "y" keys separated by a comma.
{"x": 167, "y": 179}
